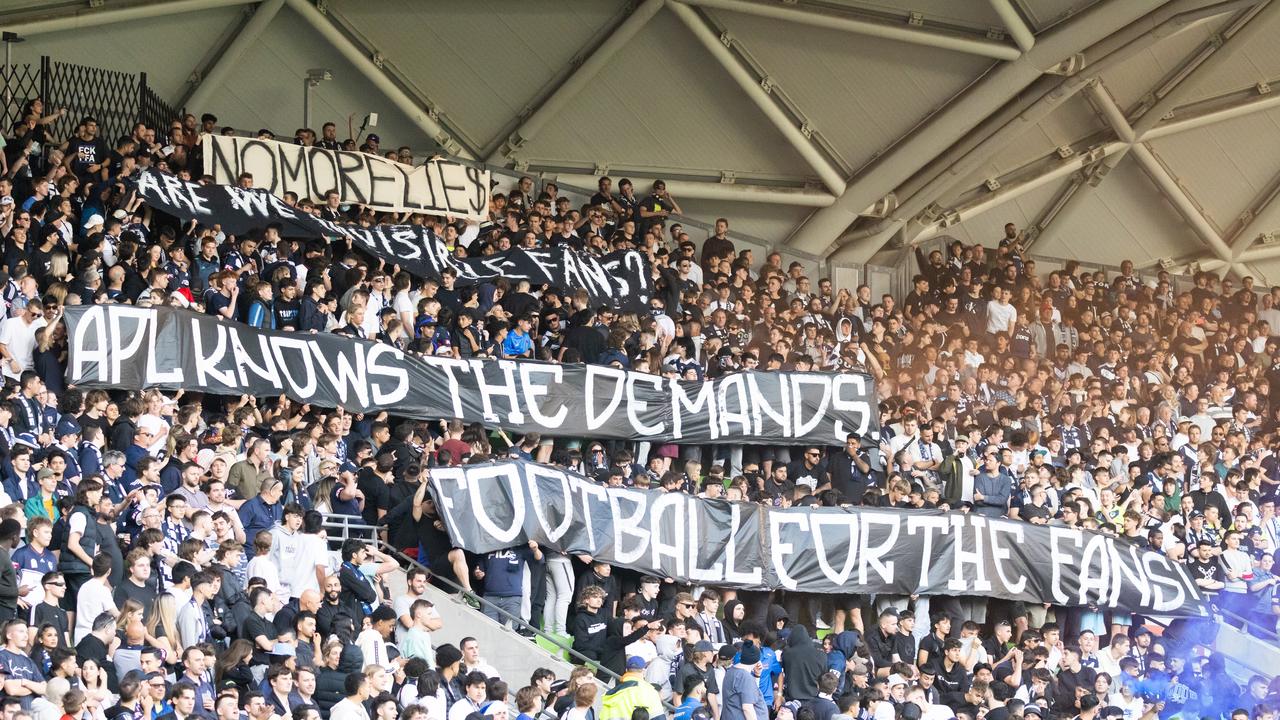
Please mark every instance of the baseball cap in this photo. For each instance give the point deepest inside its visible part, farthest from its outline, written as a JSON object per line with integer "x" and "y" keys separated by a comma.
{"x": 635, "y": 662}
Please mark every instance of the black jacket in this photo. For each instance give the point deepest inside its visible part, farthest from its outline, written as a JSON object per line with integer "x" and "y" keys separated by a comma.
{"x": 8, "y": 583}
{"x": 803, "y": 662}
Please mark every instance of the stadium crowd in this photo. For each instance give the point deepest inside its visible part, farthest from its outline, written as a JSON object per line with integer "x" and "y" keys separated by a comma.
{"x": 163, "y": 556}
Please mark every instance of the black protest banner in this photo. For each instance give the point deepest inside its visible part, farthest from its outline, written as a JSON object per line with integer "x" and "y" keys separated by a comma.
{"x": 121, "y": 346}
{"x": 493, "y": 506}
{"x": 620, "y": 279}
{"x": 443, "y": 187}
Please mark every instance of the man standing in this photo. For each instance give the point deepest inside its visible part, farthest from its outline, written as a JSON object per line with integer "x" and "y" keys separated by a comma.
{"x": 18, "y": 340}
{"x": 851, "y": 470}
{"x": 192, "y": 626}
{"x": 503, "y": 576}
{"x": 991, "y": 488}
{"x": 741, "y": 692}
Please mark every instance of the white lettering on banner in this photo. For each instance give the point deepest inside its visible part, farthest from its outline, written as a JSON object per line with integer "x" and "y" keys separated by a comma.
{"x": 1094, "y": 588}
{"x": 628, "y": 524}
{"x": 595, "y": 420}
{"x": 444, "y": 498}
{"x": 691, "y": 540}
{"x": 440, "y": 186}
{"x": 737, "y": 413}
{"x": 349, "y": 375}
{"x": 799, "y": 400}
{"x": 245, "y": 360}
{"x": 507, "y": 390}
{"x": 703, "y": 402}
{"x": 731, "y": 572}
{"x": 533, "y": 389}
{"x": 780, "y": 549}
{"x": 154, "y": 375}
{"x": 1059, "y": 559}
{"x": 857, "y": 404}
{"x": 869, "y": 555}
{"x": 635, "y": 405}
{"x": 697, "y": 573}
{"x": 302, "y": 352}
{"x": 760, "y": 405}
{"x": 207, "y": 364}
{"x": 848, "y": 544}
{"x": 563, "y": 504}
{"x": 1121, "y": 571}
{"x": 589, "y": 491}
{"x": 674, "y": 527}
{"x": 963, "y": 557}
{"x": 121, "y": 353}
{"x": 449, "y": 365}
{"x": 394, "y": 372}
{"x": 929, "y": 524}
{"x": 481, "y": 498}
{"x": 1000, "y": 554}
{"x": 1161, "y": 582}
{"x": 94, "y": 320}
{"x": 542, "y": 259}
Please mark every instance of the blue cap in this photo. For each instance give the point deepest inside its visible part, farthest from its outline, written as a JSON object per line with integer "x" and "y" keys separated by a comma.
{"x": 635, "y": 662}
{"x": 67, "y": 426}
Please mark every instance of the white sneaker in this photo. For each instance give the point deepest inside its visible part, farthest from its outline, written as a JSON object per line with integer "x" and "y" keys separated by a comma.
{"x": 822, "y": 624}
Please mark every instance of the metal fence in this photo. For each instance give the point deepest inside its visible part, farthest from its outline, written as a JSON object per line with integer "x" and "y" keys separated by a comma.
{"x": 117, "y": 100}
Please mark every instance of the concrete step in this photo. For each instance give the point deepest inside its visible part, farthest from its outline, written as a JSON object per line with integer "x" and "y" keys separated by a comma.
{"x": 513, "y": 656}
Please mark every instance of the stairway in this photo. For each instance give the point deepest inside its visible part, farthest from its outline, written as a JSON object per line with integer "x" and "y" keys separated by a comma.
{"x": 514, "y": 657}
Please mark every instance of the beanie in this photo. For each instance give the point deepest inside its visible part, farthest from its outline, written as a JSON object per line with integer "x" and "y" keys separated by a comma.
{"x": 750, "y": 654}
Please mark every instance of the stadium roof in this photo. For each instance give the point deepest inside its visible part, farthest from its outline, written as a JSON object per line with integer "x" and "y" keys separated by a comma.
{"x": 1142, "y": 129}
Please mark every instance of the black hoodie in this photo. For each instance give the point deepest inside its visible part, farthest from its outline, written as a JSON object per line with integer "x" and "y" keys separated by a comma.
{"x": 803, "y": 663}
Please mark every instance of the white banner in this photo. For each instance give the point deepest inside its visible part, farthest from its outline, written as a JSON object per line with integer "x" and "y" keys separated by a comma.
{"x": 440, "y": 187}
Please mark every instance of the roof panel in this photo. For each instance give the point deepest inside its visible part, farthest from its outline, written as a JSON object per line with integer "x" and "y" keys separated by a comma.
{"x": 663, "y": 101}
{"x": 1022, "y": 211}
{"x": 1067, "y": 125}
{"x": 1043, "y": 13}
{"x": 1221, "y": 173}
{"x": 167, "y": 48}
{"x": 254, "y": 99}
{"x": 483, "y": 61}
{"x": 1130, "y": 80}
{"x": 861, "y": 93}
{"x": 772, "y": 223}
{"x": 1245, "y": 64}
{"x": 1123, "y": 218}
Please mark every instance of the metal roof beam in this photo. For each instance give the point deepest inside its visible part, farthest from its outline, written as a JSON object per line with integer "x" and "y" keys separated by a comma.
{"x": 86, "y": 16}
{"x": 1164, "y": 180}
{"x": 851, "y": 20}
{"x": 1219, "y": 50}
{"x": 1216, "y": 110}
{"x": 213, "y": 77}
{"x": 957, "y": 118}
{"x": 424, "y": 118}
{"x": 984, "y": 202}
{"x": 538, "y": 116}
{"x": 1014, "y": 23}
{"x": 799, "y": 136}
